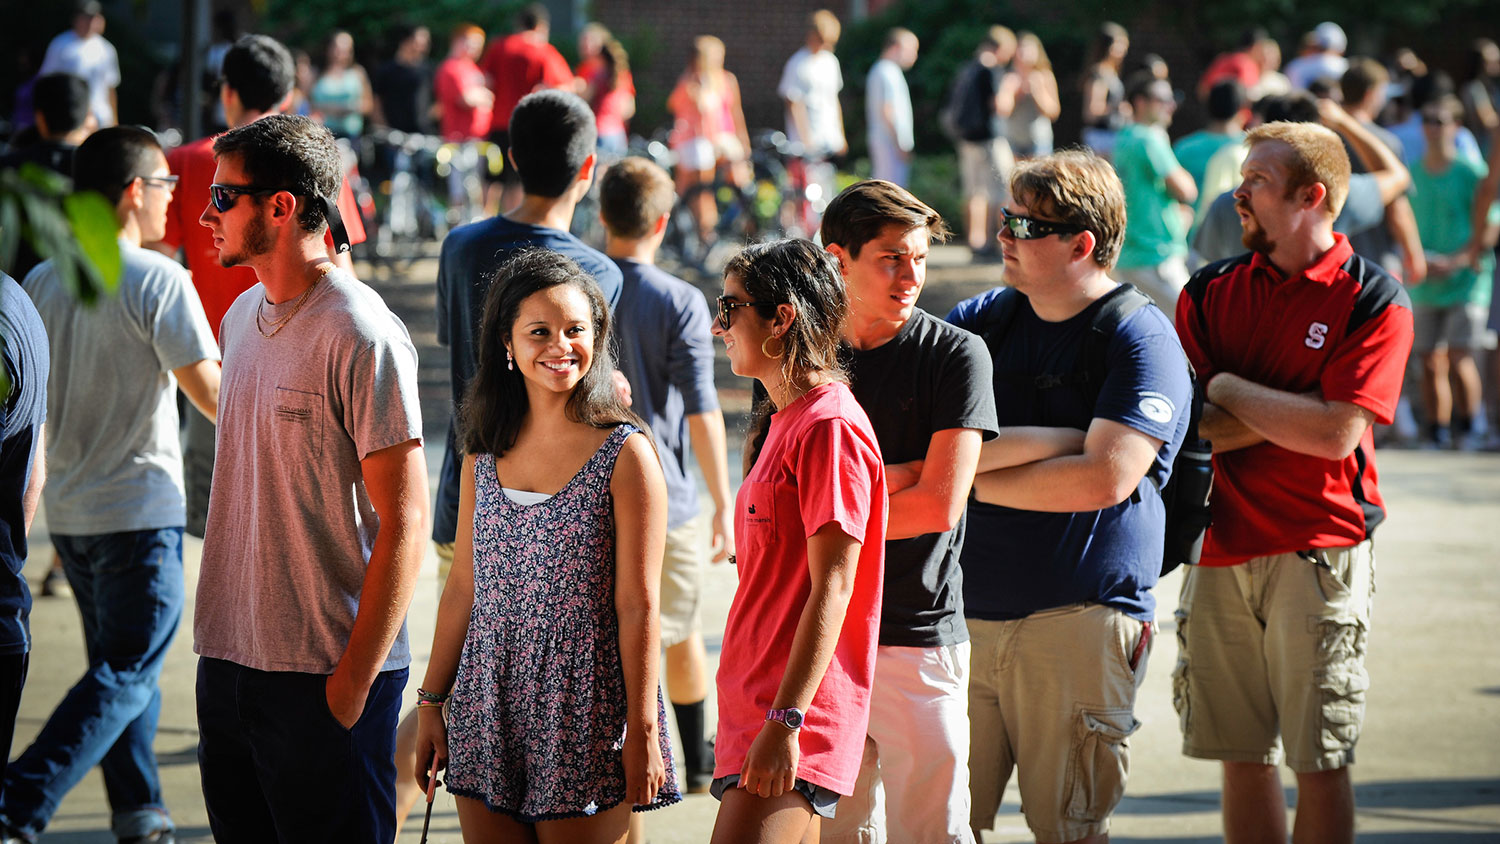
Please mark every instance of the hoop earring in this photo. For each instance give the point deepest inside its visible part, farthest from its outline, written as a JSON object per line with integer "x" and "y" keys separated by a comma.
{"x": 767, "y": 352}
{"x": 510, "y": 362}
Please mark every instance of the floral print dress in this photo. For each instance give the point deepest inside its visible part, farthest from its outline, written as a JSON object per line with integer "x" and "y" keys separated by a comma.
{"x": 536, "y": 722}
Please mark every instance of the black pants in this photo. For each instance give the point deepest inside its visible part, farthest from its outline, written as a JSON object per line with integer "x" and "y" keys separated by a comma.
{"x": 12, "y": 680}
{"x": 278, "y": 767}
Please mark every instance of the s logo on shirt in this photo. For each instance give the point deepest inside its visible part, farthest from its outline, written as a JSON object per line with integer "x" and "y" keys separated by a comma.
{"x": 1317, "y": 334}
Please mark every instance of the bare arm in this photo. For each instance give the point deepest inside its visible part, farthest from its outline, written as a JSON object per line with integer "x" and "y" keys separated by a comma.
{"x": 453, "y": 612}
{"x": 1115, "y": 458}
{"x": 798, "y": 111}
{"x": 1028, "y": 444}
{"x": 936, "y": 502}
{"x": 1486, "y": 193}
{"x": 200, "y": 383}
{"x": 1380, "y": 161}
{"x": 1005, "y": 94}
{"x": 33, "y": 494}
{"x": 1304, "y": 423}
{"x": 1180, "y": 186}
{"x": 706, "y": 431}
{"x": 1402, "y": 224}
{"x": 1044, "y": 93}
{"x": 640, "y": 496}
{"x": 396, "y": 481}
{"x": 1224, "y": 431}
{"x": 770, "y": 766}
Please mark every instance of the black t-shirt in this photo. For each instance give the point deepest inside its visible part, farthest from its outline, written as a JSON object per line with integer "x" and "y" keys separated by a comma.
{"x": 405, "y": 93}
{"x": 930, "y": 377}
{"x": 974, "y": 102}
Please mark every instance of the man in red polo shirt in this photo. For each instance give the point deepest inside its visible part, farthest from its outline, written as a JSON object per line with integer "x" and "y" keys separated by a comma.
{"x": 258, "y": 74}
{"x": 1301, "y": 346}
{"x": 516, "y": 65}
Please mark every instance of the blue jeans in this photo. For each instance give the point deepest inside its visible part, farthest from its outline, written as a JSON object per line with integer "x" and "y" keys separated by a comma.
{"x": 278, "y": 767}
{"x": 129, "y": 591}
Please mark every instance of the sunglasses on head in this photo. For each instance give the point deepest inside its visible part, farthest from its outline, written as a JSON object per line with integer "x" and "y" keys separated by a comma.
{"x": 1022, "y": 227}
{"x": 223, "y": 196}
{"x": 726, "y": 308}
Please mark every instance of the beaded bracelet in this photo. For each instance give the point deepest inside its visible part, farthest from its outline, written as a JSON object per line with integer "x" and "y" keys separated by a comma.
{"x": 428, "y": 704}
{"x": 431, "y": 697}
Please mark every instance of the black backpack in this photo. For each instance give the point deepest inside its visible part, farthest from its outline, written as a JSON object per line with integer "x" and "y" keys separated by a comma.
{"x": 1185, "y": 495}
{"x": 967, "y": 114}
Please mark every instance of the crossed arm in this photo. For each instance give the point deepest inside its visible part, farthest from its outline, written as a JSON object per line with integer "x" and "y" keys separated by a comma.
{"x": 1063, "y": 470}
{"x": 929, "y": 496}
{"x": 1241, "y": 413}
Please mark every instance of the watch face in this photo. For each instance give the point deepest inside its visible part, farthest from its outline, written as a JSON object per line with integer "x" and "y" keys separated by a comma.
{"x": 793, "y": 718}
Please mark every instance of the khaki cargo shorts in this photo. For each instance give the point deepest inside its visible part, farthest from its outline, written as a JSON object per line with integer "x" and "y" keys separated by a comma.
{"x": 682, "y": 582}
{"x": 1053, "y": 695}
{"x": 1272, "y": 658}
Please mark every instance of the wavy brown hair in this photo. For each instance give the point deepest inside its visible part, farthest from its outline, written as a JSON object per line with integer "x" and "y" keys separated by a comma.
{"x": 496, "y": 403}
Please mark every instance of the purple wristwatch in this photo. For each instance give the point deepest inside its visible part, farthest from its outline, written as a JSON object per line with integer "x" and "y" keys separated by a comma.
{"x": 791, "y": 717}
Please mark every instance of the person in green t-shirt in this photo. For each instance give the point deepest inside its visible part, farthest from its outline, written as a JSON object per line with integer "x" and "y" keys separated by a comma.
{"x": 1154, "y": 255}
{"x": 1452, "y": 197}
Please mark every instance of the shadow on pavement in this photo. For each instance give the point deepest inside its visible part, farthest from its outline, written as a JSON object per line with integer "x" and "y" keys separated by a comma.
{"x": 1416, "y": 794}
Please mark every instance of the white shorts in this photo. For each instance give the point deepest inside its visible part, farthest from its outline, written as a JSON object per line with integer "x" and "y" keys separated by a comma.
{"x": 914, "y": 777}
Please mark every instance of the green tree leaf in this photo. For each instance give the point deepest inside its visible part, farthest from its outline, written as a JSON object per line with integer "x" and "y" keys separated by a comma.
{"x": 96, "y": 229}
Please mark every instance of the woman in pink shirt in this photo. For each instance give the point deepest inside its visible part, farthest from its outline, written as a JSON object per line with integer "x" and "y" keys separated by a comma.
{"x": 799, "y": 646}
{"x": 708, "y": 129}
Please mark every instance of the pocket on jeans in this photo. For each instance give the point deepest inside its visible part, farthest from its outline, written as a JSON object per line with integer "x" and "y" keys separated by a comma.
{"x": 321, "y": 690}
{"x": 1100, "y": 763}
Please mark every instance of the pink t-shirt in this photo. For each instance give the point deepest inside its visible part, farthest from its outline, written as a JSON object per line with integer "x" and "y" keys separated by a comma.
{"x": 820, "y": 464}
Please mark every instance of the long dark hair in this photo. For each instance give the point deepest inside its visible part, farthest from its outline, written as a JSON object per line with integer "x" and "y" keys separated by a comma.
{"x": 803, "y": 275}
{"x": 496, "y": 402}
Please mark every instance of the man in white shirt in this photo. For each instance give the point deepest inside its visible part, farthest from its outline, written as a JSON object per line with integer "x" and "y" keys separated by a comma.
{"x": 810, "y": 86}
{"x": 82, "y": 51}
{"x": 888, "y": 108}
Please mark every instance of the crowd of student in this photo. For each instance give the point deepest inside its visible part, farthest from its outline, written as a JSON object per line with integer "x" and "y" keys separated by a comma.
{"x": 948, "y": 531}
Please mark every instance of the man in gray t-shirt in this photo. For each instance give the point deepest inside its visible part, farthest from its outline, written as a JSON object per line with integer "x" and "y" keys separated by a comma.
{"x": 114, "y": 496}
{"x": 314, "y": 532}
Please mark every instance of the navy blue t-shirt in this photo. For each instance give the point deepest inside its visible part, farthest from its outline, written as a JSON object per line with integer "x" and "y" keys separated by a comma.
{"x": 1017, "y": 562}
{"x": 471, "y": 255}
{"x": 23, "y": 410}
{"x": 667, "y": 354}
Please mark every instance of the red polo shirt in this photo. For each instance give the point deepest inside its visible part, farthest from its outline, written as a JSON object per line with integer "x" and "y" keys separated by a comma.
{"x": 1343, "y": 329}
{"x": 517, "y": 65}
{"x": 218, "y": 286}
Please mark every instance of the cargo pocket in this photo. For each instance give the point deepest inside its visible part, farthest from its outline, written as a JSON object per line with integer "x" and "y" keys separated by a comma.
{"x": 1342, "y": 685}
{"x": 1100, "y": 763}
{"x": 1180, "y": 699}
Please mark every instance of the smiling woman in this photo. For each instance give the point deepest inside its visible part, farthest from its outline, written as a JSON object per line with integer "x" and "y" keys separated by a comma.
{"x": 553, "y": 595}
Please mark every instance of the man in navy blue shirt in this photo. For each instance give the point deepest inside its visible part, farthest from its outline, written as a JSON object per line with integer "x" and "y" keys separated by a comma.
{"x": 25, "y": 358}
{"x": 667, "y": 354}
{"x": 1065, "y": 538}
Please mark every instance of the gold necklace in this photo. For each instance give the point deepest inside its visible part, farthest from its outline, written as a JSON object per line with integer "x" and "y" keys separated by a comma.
{"x": 280, "y": 322}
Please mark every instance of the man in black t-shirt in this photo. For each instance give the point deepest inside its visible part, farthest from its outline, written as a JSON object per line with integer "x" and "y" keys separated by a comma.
{"x": 983, "y": 97}
{"x": 403, "y": 84}
{"x": 927, "y": 389}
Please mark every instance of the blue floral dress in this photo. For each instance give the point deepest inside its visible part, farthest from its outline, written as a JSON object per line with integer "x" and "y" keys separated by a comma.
{"x": 536, "y": 722}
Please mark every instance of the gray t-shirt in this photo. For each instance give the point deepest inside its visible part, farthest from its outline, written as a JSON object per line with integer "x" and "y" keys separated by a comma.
{"x": 114, "y": 462}
{"x": 290, "y": 524}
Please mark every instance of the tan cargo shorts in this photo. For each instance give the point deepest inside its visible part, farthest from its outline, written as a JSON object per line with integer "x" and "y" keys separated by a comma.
{"x": 682, "y": 582}
{"x": 1271, "y": 658}
{"x": 1053, "y": 695}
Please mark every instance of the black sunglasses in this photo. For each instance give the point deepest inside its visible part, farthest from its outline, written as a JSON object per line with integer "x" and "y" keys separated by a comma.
{"x": 726, "y": 307}
{"x": 1022, "y": 227}
{"x": 223, "y": 197}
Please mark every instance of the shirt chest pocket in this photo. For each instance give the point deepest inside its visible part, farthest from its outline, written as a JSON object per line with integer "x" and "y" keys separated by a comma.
{"x": 297, "y": 423}
{"x": 757, "y": 515}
